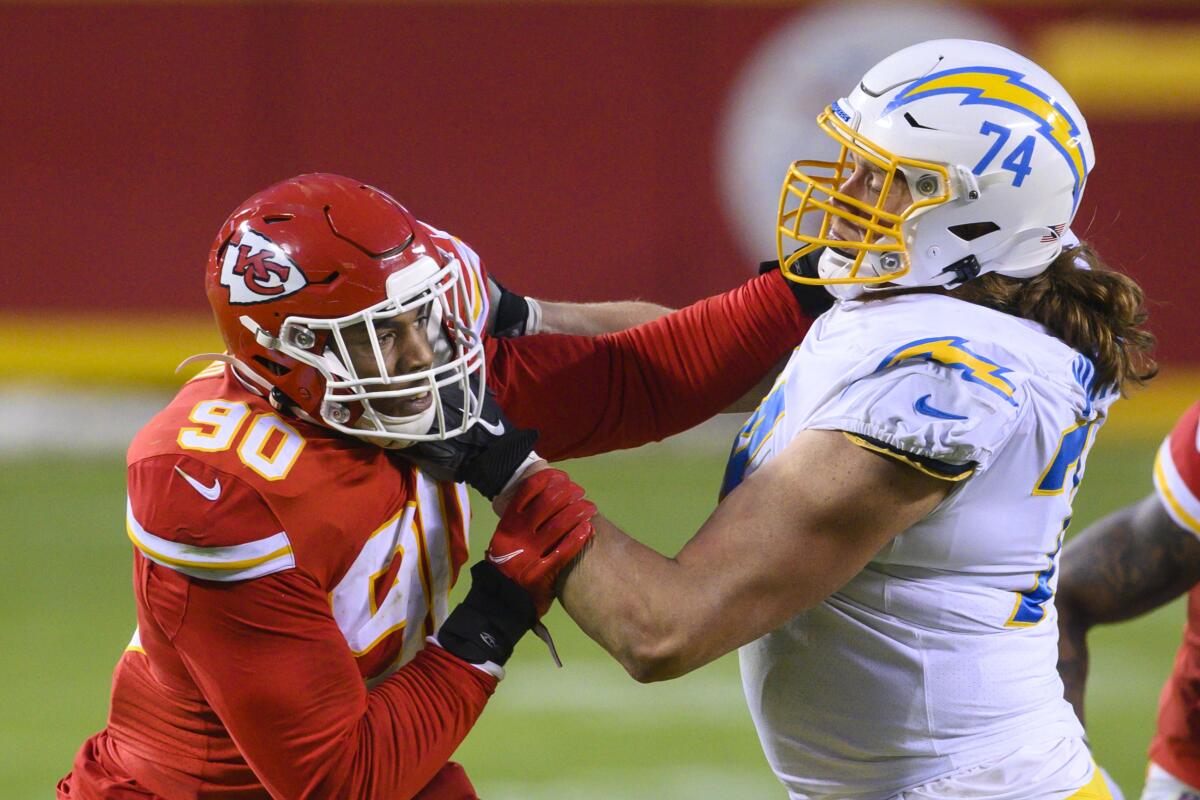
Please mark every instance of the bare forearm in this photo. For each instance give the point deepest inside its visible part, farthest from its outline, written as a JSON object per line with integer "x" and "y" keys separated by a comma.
{"x": 1073, "y": 661}
{"x": 1132, "y": 561}
{"x": 619, "y": 593}
{"x": 774, "y": 546}
{"x": 593, "y": 319}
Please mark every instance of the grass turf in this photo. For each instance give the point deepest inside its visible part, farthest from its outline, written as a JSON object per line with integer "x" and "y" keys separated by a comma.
{"x": 587, "y": 731}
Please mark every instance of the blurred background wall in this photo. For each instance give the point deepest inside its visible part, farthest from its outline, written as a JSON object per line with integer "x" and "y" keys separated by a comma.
{"x": 586, "y": 150}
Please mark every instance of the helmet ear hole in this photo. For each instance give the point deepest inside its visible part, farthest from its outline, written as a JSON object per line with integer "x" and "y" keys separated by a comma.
{"x": 271, "y": 366}
{"x": 970, "y": 231}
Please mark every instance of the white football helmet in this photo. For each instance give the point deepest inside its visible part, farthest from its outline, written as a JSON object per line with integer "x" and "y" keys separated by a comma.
{"x": 992, "y": 149}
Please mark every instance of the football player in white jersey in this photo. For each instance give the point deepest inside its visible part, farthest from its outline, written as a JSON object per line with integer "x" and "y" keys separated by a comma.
{"x": 885, "y": 551}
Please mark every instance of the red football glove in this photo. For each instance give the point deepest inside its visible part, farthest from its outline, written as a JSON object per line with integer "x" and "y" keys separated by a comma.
{"x": 545, "y": 525}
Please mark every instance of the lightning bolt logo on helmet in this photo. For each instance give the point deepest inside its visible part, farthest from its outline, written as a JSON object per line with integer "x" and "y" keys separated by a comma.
{"x": 1006, "y": 88}
{"x": 256, "y": 270}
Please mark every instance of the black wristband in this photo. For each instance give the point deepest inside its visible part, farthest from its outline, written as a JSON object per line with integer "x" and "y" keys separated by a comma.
{"x": 511, "y": 316}
{"x": 812, "y": 298}
{"x": 494, "y": 467}
{"x": 491, "y": 619}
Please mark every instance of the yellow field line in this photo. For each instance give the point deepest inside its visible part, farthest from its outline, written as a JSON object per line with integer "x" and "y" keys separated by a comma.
{"x": 143, "y": 351}
{"x": 103, "y": 349}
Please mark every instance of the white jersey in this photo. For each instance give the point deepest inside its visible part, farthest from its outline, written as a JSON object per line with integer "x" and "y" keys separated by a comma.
{"x": 941, "y": 653}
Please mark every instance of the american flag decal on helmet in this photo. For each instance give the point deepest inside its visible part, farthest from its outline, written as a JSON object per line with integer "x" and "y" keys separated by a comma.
{"x": 1055, "y": 233}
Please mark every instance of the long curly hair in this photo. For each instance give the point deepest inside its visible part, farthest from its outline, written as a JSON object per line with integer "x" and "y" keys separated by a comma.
{"x": 1079, "y": 299}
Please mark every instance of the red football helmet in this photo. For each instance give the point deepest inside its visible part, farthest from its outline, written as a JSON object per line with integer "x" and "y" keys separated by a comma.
{"x": 306, "y": 265}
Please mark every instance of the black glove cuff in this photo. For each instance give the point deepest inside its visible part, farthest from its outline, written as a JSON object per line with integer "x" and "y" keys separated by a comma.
{"x": 512, "y": 314}
{"x": 490, "y": 620}
{"x": 812, "y": 298}
{"x": 493, "y": 468}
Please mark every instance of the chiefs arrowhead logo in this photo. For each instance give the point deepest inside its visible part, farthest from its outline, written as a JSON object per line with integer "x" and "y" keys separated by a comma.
{"x": 256, "y": 270}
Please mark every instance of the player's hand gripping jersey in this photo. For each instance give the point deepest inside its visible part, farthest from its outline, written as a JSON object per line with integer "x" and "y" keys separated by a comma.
{"x": 941, "y": 652}
{"x": 287, "y": 577}
{"x": 1176, "y": 743}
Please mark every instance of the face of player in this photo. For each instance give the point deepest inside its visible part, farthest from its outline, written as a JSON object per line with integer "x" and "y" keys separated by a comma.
{"x": 865, "y": 184}
{"x": 405, "y": 348}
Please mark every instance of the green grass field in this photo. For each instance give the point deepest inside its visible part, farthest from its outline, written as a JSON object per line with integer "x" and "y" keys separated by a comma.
{"x": 587, "y": 731}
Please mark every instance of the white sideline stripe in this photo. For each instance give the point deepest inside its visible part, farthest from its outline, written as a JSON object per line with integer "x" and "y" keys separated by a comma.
{"x": 39, "y": 420}
{"x": 229, "y": 563}
{"x": 45, "y": 419}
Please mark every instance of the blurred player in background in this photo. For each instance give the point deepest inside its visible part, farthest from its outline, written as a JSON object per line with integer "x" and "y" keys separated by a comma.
{"x": 1131, "y": 562}
{"x": 886, "y": 547}
{"x": 292, "y": 568}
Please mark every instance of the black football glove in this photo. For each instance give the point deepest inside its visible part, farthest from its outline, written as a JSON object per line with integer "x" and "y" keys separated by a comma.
{"x": 511, "y": 314}
{"x": 812, "y": 298}
{"x": 491, "y": 619}
{"x": 486, "y": 457}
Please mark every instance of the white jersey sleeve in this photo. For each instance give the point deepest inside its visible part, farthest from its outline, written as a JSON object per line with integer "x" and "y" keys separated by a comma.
{"x": 923, "y": 405}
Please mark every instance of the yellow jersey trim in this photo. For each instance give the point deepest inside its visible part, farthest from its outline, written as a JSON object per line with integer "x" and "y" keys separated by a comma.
{"x": 907, "y": 459}
{"x": 1163, "y": 484}
{"x": 228, "y": 563}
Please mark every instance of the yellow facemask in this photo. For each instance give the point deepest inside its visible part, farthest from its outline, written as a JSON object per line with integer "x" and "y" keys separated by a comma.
{"x": 812, "y": 187}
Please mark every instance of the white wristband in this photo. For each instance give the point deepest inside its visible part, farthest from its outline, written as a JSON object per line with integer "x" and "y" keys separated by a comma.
{"x": 519, "y": 473}
{"x": 533, "y": 323}
{"x": 490, "y": 667}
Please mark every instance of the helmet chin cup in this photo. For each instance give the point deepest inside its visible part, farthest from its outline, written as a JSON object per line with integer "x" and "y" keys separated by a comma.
{"x": 834, "y": 267}
{"x": 404, "y": 428}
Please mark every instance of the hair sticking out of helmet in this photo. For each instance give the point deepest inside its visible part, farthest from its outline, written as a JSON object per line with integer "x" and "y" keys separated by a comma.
{"x": 957, "y": 158}
{"x": 332, "y": 294}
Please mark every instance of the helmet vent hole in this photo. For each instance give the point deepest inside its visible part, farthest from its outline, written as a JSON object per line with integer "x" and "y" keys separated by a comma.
{"x": 971, "y": 231}
{"x": 271, "y": 220}
{"x": 911, "y": 120}
{"x": 328, "y": 279}
{"x": 271, "y": 366}
{"x": 397, "y": 250}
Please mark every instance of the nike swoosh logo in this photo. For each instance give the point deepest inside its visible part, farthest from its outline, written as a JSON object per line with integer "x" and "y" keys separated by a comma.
{"x": 506, "y": 557}
{"x": 922, "y": 407}
{"x": 207, "y": 492}
{"x": 494, "y": 428}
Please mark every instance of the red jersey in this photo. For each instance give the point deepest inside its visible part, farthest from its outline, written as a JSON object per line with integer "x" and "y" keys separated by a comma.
{"x": 286, "y": 576}
{"x": 1176, "y": 743}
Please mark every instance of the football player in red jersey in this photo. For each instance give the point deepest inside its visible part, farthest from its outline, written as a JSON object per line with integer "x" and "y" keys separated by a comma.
{"x": 1132, "y": 561}
{"x": 292, "y": 567}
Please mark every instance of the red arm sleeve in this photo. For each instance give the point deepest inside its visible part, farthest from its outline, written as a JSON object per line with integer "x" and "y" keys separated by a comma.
{"x": 271, "y": 662}
{"x": 591, "y": 395}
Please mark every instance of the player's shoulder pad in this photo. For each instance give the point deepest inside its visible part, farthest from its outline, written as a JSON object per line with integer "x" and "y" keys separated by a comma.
{"x": 1177, "y": 471}
{"x": 188, "y": 515}
{"x": 938, "y": 399}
